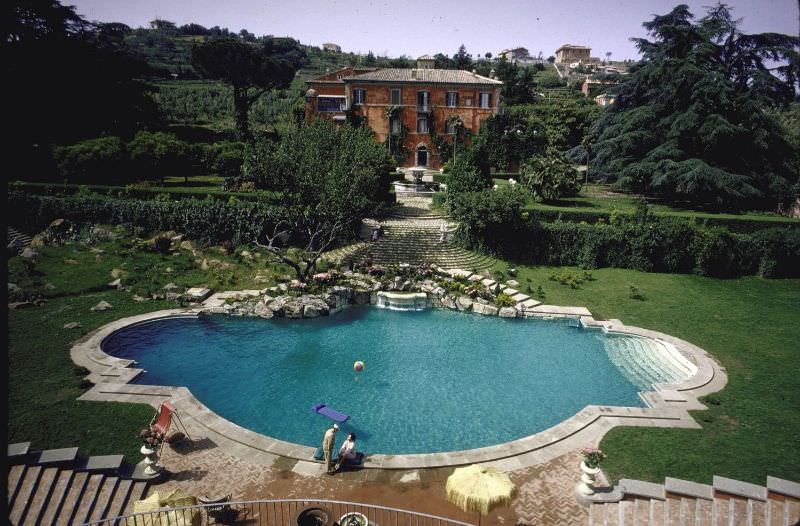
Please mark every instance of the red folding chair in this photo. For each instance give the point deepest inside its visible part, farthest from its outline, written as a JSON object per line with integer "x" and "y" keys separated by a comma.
{"x": 162, "y": 420}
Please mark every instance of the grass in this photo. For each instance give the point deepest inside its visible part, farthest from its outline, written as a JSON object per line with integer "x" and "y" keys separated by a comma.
{"x": 44, "y": 382}
{"x": 751, "y": 428}
{"x": 749, "y": 324}
{"x": 599, "y": 198}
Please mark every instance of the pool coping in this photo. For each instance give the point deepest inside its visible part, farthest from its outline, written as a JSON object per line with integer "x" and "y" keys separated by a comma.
{"x": 668, "y": 405}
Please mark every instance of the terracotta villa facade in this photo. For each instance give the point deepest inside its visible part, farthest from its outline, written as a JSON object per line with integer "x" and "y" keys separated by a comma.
{"x": 408, "y": 103}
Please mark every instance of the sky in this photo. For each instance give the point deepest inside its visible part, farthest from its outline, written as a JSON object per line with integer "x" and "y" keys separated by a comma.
{"x": 417, "y": 27}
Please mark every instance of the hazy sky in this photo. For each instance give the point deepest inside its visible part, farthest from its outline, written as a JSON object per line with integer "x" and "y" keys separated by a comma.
{"x": 416, "y": 27}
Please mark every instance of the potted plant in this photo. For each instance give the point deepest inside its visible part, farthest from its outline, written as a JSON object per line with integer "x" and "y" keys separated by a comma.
{"x": 590, "y": 467}
{"x": 592, "y": 457}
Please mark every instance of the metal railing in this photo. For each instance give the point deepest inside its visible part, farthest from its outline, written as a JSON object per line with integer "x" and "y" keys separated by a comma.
{"x": 283, "y": 512}
{"x": 423, "y": 108}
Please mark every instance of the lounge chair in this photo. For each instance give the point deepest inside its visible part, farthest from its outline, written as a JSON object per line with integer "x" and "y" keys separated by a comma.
{"x": 162, "y": 420}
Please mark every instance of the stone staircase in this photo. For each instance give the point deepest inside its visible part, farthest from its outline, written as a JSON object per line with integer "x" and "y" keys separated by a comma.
{"x": 726, "y": 502}
{"x": 411, "y": 234}
{"x": 17, "y": 238}
{"x": 59, "y": 487}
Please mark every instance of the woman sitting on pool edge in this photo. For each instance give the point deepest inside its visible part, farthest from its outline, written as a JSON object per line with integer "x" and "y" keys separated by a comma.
{"x": 347, "y": 453}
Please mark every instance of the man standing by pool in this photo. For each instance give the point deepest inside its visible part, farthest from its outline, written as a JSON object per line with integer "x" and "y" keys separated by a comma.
{"x": 327, "y": 447}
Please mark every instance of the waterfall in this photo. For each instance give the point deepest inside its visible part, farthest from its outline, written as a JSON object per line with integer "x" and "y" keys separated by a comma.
{"x": 402, "y": 300}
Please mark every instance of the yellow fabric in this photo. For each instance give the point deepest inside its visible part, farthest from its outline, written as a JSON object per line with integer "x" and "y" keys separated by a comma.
{"x": 478, "y": 488}
{"x": 160, "y": 507}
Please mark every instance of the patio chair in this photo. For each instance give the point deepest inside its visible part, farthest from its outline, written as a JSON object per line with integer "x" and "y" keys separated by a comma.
{"x": 162, "y": 420}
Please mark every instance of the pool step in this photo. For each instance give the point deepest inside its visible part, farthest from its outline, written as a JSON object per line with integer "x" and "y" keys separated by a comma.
{"x": 643, "y": 361}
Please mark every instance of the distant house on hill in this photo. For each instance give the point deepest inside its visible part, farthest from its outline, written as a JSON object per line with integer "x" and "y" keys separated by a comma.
{"x": 520, "y": 56}
{"x": 570, "y": 53}
{"x": 329, "y": 46}
{"x": 409, "y": 104}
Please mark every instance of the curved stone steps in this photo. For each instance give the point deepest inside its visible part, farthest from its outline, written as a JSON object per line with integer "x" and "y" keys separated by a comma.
{"x": 685, "y": 503}
{"x": 59, "y": 487}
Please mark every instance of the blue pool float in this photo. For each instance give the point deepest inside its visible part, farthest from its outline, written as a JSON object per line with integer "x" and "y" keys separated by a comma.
{"x": 331, "y": 413}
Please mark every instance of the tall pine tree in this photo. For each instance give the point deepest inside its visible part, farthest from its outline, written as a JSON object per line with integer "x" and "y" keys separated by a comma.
{"x": 690, "y": 122}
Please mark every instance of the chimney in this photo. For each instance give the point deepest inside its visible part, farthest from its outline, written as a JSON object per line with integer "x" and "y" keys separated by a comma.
{"x": 474, "y": 72}
{"x": 491, "y": 74}
{"x": 414, "y": 74}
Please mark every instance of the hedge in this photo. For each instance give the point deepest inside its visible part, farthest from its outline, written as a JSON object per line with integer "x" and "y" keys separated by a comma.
{"x": 136, "y": 192}
{"x": 658, "y": 245}
{"x": 734, "y": 224}
{"x": 208, "y": 221}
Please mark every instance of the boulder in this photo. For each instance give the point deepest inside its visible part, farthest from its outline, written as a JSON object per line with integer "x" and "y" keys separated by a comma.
{"x": 486, "y": 310}
{"x": 49, "y": 286}
{"x": 70, "y": 261}
{"x": 449, "y": 302}
{"x": 512, "y": 283}
{"x": 263, "y": 311}
{"x": 464, "y": 303}
{"x": 187, "y": 245}
{"x": 103, "y": 305}
{"x": 508, "y": 312}
{"x": 72, "y": 325}
{"x": 13, "y": 287}
{"x": 117, "y": 273}
{"x": 312, "y": 311}
{"x": 361, "y": 297}
{"x": 173, "y": 296}
{"x": 28, "y": 253}
{"x": 116, "y": 284}
{"x": 170, "y": 286}
{"x": 139, "y": 299}
{"x": 204, "y": 265}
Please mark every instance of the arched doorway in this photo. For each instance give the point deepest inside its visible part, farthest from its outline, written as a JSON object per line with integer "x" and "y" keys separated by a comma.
{"x": 422, "y": 155}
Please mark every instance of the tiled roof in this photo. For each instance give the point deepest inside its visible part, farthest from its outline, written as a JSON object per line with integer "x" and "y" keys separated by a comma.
{"x": 572, "y": 46}
{"x": 428, "y": 76}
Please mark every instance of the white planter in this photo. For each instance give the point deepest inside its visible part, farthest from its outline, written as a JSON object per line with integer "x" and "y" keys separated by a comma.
{"x": 588, "y": 475}
{"x": 150, "y": 461}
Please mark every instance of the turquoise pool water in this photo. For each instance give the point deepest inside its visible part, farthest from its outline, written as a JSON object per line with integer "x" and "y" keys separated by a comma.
{"x": 435, "y": 380}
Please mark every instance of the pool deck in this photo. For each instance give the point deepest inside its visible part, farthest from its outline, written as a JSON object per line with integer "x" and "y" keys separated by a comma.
{"x": 669, "y": 406}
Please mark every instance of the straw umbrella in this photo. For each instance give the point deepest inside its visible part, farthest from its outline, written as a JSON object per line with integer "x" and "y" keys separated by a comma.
{"x": 479, "y": 488}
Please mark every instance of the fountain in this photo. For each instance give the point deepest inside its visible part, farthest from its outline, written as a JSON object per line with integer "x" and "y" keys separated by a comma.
{"x": 417, "y": 186}
{"x": 402, "y": 300}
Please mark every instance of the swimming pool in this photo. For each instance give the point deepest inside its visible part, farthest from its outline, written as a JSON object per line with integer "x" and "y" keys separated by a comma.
{"x": 435, "y": 380}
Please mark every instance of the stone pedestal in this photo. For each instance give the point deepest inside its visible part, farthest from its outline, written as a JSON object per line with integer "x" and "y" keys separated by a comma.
{"x": 588, "y": 476}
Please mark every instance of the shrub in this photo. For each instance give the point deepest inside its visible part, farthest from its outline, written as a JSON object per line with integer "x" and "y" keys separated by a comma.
{"x": 550, "y": 176}
{"x": 93, "y": 161}
{"x": 504, "y": 300}
{"x": 155, "y": 155}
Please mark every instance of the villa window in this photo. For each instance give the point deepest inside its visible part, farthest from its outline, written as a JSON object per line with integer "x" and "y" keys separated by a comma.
{"x": 423, "y": 101}
{"x": 394, "y": 126}
{"x": 326, "y": 104}
{"x": 359, "y": 96}
{"x": 396, "y": 97}
{"x": 422, "y": 124}
{"x": 452, "y": 99}
{"x": 485, "y": 100}
{"x": 450, "y": 127}
{"x": 468, "y": 101}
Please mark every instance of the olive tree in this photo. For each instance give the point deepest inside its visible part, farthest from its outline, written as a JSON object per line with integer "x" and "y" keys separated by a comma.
{"x": 329, "y": 179}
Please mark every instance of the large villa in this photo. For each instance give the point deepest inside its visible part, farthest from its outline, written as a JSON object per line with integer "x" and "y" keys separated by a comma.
{"x": 408, "y": 103}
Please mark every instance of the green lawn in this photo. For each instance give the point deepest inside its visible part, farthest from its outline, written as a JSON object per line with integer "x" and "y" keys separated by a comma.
{"x": 599, "y": 198}
{"x": 750, "y": 325}
{"x": 44, "y": 382}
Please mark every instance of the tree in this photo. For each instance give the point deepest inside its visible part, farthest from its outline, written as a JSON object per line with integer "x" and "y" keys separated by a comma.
{"x": 156, "y": 155}
{"x": 69, "y": 80}
{"x": 248, "y": 69}
{"x": 442, "y": 61}
{"x": 330, "y": 178}
{"x": 550, "y": 176}
{"x": 690, "y": 121}
{"x": 462, "y": 59}
{"x": 93, "y": 161}
{"x": 370, "y": 59}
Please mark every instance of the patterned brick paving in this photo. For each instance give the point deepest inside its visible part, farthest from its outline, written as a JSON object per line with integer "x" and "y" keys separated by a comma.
{"x": 545, "y": 497}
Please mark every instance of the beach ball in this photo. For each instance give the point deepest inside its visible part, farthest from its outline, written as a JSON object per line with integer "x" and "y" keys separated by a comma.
{"x": 358, "y": 366}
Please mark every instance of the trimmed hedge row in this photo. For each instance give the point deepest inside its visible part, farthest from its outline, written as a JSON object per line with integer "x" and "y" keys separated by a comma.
{"x": 734, "y": 224}
{"x": 123, "y": 192}
{"x": 208, "y": 221}
{"x": 658, "y": 245}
